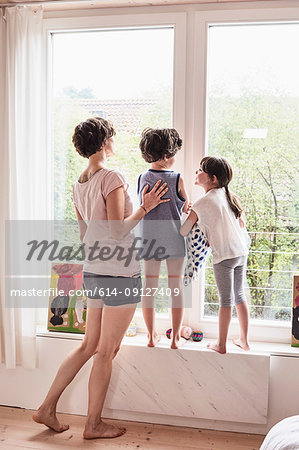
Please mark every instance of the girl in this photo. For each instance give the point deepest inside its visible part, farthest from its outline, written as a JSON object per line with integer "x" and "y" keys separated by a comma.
{"x": 161, "y": 228}
{"x": 100, "y": 196}
{"x": 218, "y": 213}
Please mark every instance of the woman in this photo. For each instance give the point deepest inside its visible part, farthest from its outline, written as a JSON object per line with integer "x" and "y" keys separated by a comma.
{"x": 101, "y": 200}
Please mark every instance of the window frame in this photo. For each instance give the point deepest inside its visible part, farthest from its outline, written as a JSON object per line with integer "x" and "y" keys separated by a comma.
{"x": 189, "y": 105}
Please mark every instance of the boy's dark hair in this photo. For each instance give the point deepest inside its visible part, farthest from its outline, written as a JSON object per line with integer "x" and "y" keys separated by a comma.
{"x": 221, "y": 168}
{"x": 159, "y": 142}
{"x": 90, "y": 136}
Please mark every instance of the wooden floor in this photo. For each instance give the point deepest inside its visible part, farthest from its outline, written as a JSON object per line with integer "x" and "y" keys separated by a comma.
{"x": 18, "y": 431}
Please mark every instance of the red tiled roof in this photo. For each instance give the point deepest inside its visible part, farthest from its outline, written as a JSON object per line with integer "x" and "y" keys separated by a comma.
{"x": 126, "y": 115}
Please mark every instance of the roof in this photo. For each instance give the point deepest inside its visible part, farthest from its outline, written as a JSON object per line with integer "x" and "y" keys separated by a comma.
{"x": 126, "y": 115}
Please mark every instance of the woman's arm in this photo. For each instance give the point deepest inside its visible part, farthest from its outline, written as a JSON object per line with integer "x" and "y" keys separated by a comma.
{"x": 183, "y": 193}
{"x": 82, "y": 224}
{"x": 188, "y": 224}
{"x": 115, "y": 204}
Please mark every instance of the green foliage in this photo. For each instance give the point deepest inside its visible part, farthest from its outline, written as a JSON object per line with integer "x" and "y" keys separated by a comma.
{"x": 264, "y": 179}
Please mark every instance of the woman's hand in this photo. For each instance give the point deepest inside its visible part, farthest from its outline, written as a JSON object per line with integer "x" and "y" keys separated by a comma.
{"x": 153, "y": 198}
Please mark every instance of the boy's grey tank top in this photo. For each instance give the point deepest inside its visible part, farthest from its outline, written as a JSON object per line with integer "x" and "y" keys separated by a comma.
{"x": 162, "y": 224}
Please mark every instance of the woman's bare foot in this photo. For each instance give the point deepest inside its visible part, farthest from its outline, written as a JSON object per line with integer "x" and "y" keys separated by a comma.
{"x": 153, "y": 340}
{"x": 242, "y": 344}
{"x": 176, "y": 343}
{"x": 217, "y": 348}
{"x": 50, "y": 420}
{"x": 103, "y": 431}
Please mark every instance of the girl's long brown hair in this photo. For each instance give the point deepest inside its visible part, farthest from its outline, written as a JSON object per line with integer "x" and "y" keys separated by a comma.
{"x": 221, "y": 168}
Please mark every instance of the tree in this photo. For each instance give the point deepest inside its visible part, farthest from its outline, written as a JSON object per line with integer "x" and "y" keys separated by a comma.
{"x": 264, "y": 179}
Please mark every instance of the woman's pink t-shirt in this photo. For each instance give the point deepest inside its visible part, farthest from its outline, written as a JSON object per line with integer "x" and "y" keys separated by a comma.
{"x": 90, "y": 200}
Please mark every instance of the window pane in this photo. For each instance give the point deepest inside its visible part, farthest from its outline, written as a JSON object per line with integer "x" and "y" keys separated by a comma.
{"x": 125, "y": 75}
{"x": 253, "y": 117}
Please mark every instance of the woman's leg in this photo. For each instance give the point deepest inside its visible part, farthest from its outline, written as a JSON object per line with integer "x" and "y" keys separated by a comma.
{"x": 151, "y": 282}
{"x": 241, "y": 305}
{"x": 224, "y": 278}
{"x": 175, "y": 276}
{"x": 46, "y": 413}
{"x": 115, "y": 322}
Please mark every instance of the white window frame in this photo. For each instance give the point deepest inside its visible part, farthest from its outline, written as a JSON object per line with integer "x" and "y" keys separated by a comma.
{"x": 189, "y": 104}
{"x": 267, "y": 331}
{"x": 98, "y": 22}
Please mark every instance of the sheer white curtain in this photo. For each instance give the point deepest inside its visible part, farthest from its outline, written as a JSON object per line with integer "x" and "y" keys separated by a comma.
{"x": 25, "y": 172}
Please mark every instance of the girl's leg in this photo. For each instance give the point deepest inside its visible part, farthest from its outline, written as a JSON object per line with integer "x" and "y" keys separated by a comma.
{"x": 241, "y": 306}
{"x": 225, "y": 314}
{"x": 46, "y": 413}
{"x": 151, "y": 275}
{"x": 224, "y": 277}
{"x": 243, "y": 317}
{"x": 115, "y": 321}
{"x": 175, "y": 276}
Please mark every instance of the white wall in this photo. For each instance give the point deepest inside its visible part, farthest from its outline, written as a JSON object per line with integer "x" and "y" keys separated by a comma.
{"x": 27, "y": 388}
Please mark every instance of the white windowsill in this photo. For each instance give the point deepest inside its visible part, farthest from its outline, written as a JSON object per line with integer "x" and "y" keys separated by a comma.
{"x": 140, "y": 340}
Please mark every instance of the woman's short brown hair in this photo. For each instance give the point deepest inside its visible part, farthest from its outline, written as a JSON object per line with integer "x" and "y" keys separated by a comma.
{"x": 90, "y": 136}
{"x": 159, "y": 142}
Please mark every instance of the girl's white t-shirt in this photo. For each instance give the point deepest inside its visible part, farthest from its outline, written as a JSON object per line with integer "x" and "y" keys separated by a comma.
{"x": 219, "y": 224}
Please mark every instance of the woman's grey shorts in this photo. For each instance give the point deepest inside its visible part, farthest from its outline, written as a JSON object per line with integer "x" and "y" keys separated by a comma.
{"x": 113, "y": 291}
{"x": 230, "y": 276}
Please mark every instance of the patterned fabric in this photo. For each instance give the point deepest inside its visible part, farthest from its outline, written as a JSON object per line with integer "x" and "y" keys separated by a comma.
{"x": 198, "y": 250}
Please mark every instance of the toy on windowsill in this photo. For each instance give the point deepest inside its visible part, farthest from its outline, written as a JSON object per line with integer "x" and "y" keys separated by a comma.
{"x": 185, "y": 332}
{"x": 132, "y": 330}
{"x": 168, "y": 333}
{"x": 197, "y": 336}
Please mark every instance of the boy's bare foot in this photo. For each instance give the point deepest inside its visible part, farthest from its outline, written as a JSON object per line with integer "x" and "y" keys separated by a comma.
{"x": 153, "y": 340}
{"x": 217, "y": 348}
{"x": 50, "y": 420}
{"x": 242, "y": 344}
{"x": 103, "y": 431}
{"x": 176, "y": 343}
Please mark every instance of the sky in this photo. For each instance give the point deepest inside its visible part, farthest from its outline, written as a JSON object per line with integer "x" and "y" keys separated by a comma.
{"x": 115, "y": 64}
{"x": 259, "y": 56}
{"x": 135, "y": 62}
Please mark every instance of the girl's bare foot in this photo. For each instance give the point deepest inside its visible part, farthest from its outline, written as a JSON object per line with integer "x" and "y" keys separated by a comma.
{"x": 50, "y": 420}
{"x": 153, "y": 340}
{"x": 176, "y": 343}
{"x": 242, "y": 344}
{"x": 217, "y": 348}
{"x": 103, "y": 431}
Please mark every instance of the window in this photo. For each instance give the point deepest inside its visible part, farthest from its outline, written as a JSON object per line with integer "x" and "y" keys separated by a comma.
{"x": 232, "y": 99}
{"x": 252, "y": 119}
{"x": 110, "y": 73}
{"x": 124, "y": 72}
